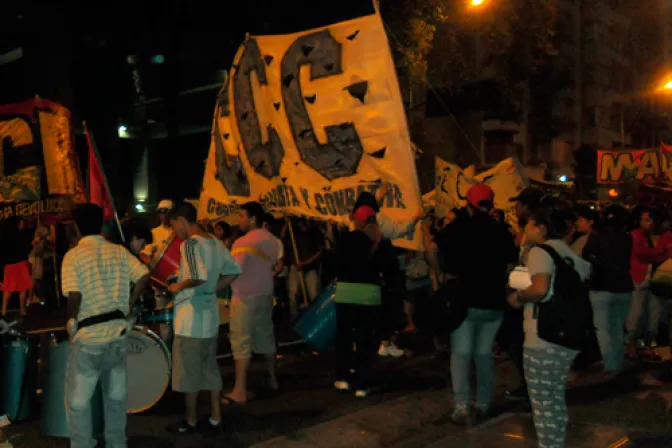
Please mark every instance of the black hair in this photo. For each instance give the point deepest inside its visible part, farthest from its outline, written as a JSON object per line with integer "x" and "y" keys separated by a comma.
{"x": 586, "y": 211}
{"x": 366, "y": 198}
{"x": 254, "y": 210}
{"x": 226, "y": 228}
{"x": 184, "y": 210}
{"x": 269, "y": 219}
{"x": 616, "y": 217}
{"x": 556, "y": 216}
{"x": 135, "y": 227}
{"x": 89, "y": 219}
{"x": 655, "y": 214}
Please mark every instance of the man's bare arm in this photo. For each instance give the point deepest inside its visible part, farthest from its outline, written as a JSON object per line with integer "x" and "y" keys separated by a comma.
{"x": 225, "y": 281}
{"x": 74, "y": 302}
{"x": 137, "y": 290}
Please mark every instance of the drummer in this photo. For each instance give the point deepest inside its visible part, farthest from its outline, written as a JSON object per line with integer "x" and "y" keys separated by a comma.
{"x": 137, "y": 235}
{"x": 160, "y": 234}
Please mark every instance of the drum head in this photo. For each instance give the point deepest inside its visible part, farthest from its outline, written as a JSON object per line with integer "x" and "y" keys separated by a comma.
{"x": 149, "y": 365}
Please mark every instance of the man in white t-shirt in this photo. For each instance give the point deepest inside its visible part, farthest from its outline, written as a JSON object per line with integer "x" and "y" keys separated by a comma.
{"x": 205, "y": 267}
{"x": 160, "y": 234}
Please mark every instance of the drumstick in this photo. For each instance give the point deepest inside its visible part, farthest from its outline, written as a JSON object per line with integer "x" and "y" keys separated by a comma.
{"x": 159, "y": 282}
{"x": 45, "y": 330}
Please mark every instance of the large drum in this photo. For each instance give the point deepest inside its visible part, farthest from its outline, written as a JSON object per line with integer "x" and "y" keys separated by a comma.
{"x": 317, "y": 326}
{"x": 167, "y": 263}
{"x": 149, "y": 365}
{"x": 18, "y": 376}
{"x": 54, "y": 420}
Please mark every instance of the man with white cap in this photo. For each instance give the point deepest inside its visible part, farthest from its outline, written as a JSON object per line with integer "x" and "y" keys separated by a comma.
{"x": 160, "y": 234}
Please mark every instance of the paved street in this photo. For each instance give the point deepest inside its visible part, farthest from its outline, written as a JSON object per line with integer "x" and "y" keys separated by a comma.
{"x": 411, "y": 410}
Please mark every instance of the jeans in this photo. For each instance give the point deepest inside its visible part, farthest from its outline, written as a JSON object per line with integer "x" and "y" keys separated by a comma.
{"x": 645, "y": 307}
{"x": 610, "y": 311}
{"x": 356, "y": 343}
{"x": 546, "y": 371}
{"x": 473, "y": 339}
{"x": 86, "y": 365}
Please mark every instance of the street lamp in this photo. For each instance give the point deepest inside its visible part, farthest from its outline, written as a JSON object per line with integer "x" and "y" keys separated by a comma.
{"x": 476, "y": 2}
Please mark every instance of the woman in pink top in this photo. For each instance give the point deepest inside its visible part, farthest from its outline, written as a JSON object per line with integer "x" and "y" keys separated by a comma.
{"x": 650, "y": 248}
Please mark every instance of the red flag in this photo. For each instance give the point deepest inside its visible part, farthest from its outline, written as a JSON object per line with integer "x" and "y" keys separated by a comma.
{"x": 99, "y": 194}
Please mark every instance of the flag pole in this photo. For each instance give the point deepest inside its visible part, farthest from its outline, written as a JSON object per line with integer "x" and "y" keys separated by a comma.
{"x": 107, "y": 185}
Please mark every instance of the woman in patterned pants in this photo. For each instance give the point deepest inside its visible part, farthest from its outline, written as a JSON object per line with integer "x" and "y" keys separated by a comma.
{"x": 546, "y": 365}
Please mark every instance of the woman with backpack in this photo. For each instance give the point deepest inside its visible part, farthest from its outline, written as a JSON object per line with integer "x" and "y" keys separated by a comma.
{"x": 651, "y": 246}
{"x": 609, "y": 249}
{"x": 546, "y": 361}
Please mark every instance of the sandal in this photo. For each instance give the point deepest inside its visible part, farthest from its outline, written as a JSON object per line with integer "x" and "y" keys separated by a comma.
{"x": 228, "y": 401}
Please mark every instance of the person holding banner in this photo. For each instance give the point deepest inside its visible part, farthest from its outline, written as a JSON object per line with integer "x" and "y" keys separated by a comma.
{"x": 358, "y": 302}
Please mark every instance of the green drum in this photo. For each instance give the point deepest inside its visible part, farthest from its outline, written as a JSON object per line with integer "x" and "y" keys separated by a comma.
{"x": 18, "y": 376}
{"x": 54, "y": 421}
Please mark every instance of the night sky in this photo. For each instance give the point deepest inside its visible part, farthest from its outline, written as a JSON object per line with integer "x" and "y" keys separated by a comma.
{"x": 76, "y": 54}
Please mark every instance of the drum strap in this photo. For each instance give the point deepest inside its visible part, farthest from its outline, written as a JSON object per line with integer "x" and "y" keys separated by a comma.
{"x": 100, "y": 319}
{"x": 251, "y": 250}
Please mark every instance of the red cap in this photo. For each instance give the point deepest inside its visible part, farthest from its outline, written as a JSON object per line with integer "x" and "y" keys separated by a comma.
{"x": 363, "y": 215}
{"x": 479, "y": 193}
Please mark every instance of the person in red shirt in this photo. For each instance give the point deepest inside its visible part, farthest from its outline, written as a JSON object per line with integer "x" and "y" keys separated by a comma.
{"x": 651, "y": 246}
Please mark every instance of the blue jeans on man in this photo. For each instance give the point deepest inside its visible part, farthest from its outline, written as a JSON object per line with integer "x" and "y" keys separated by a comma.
{"x": 473, "y": 340}
{"x": 88, "y": 364}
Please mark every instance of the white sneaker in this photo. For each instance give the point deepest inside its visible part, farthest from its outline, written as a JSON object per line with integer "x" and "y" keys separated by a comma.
{"x": 341, "y": 385}
{"x": 390, "y": 350}
{"x": 362, "y": 393}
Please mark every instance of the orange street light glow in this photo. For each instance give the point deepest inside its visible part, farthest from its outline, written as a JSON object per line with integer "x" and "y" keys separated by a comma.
{"x": 477, "y": 2}
{"x": 668, "y": 85}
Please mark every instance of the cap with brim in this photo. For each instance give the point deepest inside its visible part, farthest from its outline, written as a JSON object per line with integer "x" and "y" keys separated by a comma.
{"x": 364, "y": 215}
{"x": 164, "y": 205}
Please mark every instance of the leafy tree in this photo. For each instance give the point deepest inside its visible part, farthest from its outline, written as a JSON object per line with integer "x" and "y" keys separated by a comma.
{"x": 453, "y": 44}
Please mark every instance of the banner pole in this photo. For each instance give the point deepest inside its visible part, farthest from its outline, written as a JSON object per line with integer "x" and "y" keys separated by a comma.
{"x": 302, "y": 279}
{"x": 107, "y": 185}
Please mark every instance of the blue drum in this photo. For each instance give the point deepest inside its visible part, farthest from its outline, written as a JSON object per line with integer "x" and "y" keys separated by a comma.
{"x": 18, "y": 376}
{"x": 317, "y": 326}
{"x": 54, "y": 421}
{"x": 160, "y": 316}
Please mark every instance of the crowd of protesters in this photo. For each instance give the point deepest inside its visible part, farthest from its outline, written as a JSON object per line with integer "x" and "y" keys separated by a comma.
{"x": 468, "y": 261}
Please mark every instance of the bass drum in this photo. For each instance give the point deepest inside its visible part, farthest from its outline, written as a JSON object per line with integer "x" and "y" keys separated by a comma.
{"x": 149, "y": 365}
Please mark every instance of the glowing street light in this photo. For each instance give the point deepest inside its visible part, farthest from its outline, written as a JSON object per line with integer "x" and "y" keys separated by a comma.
{"x": 476, "y": 2}
{"x": 668, "y": 85}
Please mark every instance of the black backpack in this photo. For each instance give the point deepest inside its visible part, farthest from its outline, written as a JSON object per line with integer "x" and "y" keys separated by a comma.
{"x": 567, "y": 318}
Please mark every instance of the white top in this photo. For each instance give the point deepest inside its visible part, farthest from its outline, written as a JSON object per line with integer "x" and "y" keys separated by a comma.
{"x": 161, "y": 236}
{"x": 196, "y": 309}
{"x": 540, "y": 262}
{"x": 102, "y": 273}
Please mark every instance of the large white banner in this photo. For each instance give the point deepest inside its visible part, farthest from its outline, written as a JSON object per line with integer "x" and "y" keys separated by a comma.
{"x": 306, "y": 122}
{"x": 452, "y": 183}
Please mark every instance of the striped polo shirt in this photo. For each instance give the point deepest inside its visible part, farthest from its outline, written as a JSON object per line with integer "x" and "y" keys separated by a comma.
{"x": 102, "y": 273}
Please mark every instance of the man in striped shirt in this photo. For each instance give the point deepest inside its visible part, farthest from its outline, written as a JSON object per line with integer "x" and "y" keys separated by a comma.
{"x": 96, "y": 278}
{"x": 205, "y": 267}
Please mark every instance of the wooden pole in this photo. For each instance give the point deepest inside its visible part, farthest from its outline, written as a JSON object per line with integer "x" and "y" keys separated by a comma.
{"x": 302, "y": 279}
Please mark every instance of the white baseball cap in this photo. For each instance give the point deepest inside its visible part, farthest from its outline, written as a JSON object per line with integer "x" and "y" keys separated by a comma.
{"x": 166, "y": 204}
